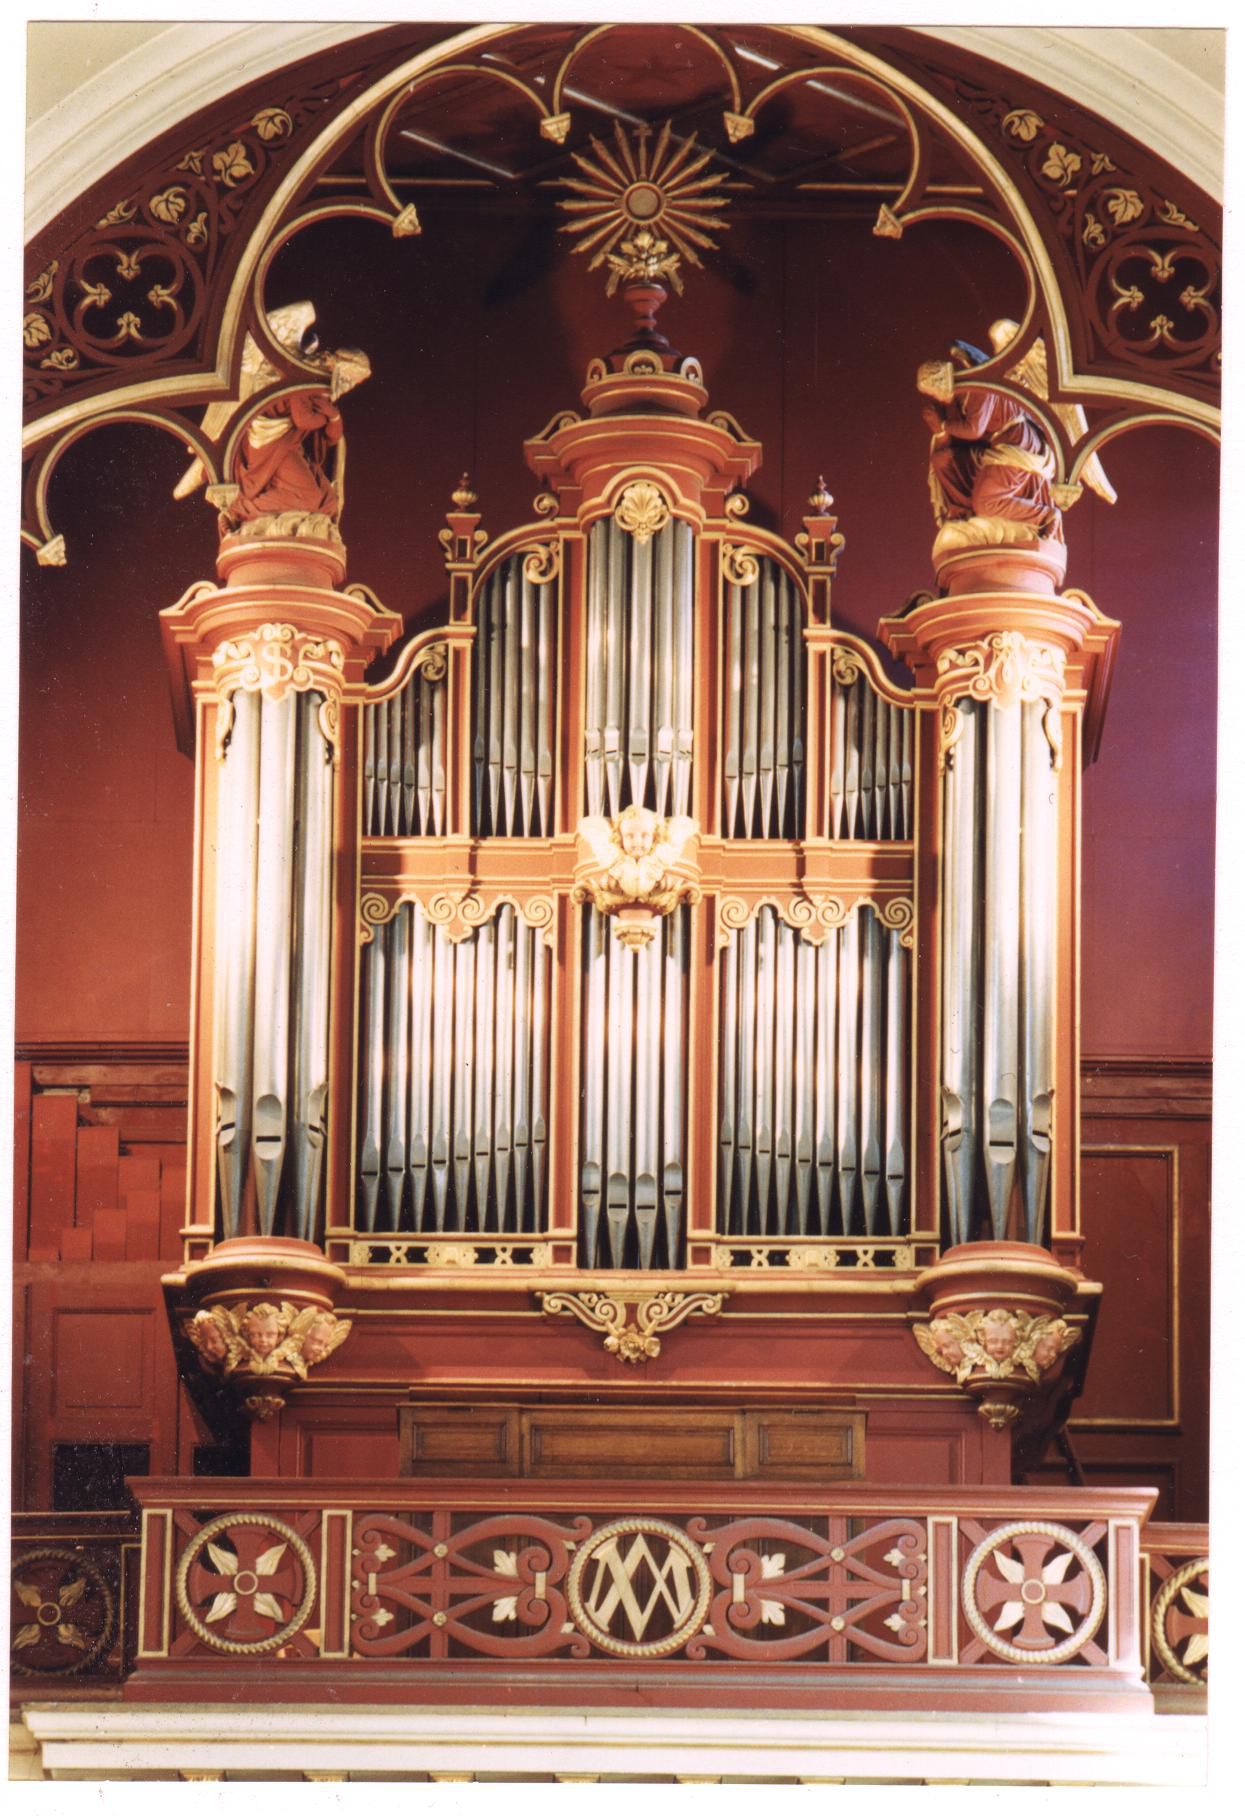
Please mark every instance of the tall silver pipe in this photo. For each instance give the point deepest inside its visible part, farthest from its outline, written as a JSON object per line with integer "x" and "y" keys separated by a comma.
{"x": 461, "y": 1135}
{"x": 763, "y": 1128}
{"x": 370, "y": 717}
{"x": 482, "y": 1116}
{"x": 640, "y": 662}
{"x": 827, "y": 1071}
{"x": 784, "y": 1055}
{"x": 1000, "y": 1056}
{"x": 442, "y": 1074}
{"x": 438, "y": 756}
{"x": 273, "y": 946}
{"x": 615, "y": 664}
{"x": 786, "y": 699}
{"x": 313, "y": 919}
{"x": 619, "y": 1056}
{"x": 419, "y": 1091}
{"x": 728, "y": 1048}
{"x": 503, "y": 1064}
{"x": 745, "y": 1072}
{"x": 418, "y": 701}
{"x": 547, "y": 600}
{"x": 395, "y": 764}
{"x": 1039, "y": 862}
{"x": 592, "y": 1163}
{"x": 750, "y": 705}
{"x": 372, "y": 1139}
{"x": 905, "y": 776}
{"x": 496, "y": 696}
{"x": 765, "y": 601}
{"x": 511, "y": 684}
{"x": 663, "y": 670}
{"x": 411, "y": 742}
{"x": 870, "y": 1066}
{"x": 847, "y": 1158}
{"x": 648, "y": 1054}
{"x": 541, "y": 960}
{"x": 685, "y": 610}
{"x": 838, "y": 759}
{"x": 674, "y": 960}
{"x": 594, "y": 677}
{"x": 805, "y": 1079}
{"x": 961, "y": 984}
{"x": 896, "y": 1093}
{"x": 237, "y": 849}
{"x": 868, "y": 704}
{"x": 396, "y": 1078}
{"x": 521, "y": 1148}
{"x": 528, "y": 687}
{"x": 851, "y": 777}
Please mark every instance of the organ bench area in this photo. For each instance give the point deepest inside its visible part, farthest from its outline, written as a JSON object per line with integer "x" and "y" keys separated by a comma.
{"x": 633, "y": 1114}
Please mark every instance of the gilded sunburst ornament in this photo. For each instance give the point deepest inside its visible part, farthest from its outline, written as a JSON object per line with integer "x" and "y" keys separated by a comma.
{"x": 638, "y": 200}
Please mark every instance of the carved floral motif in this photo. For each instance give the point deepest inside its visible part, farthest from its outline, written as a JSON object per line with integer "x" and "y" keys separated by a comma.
{"x": 1022, "y": 1580}
{"x": 64, "y": 1613}
{"x": 1004, "y": 669}
{"x": 240, "y": 1592}
{"x": 1180, "y": 1622}
{"x": 642, "y": 510}
{"x": 636, "y": 1341}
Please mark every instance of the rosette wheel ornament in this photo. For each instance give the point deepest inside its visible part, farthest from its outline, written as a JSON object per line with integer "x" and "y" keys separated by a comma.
{"x": 64, "y": 1613}
{"x": 1034, "y": 1593}
{"x": 246, "y": 1584}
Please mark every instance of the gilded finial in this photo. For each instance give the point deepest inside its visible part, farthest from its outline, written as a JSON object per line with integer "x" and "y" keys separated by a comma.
{"x": 819, "y": 499}
{"x": 462, "y": 497}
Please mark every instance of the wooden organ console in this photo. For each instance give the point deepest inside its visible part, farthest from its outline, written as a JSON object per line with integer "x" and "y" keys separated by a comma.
{"x": 635, "y": 1073}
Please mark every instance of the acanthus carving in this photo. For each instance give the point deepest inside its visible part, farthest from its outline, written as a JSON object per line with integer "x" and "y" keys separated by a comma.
{"x": 636, "y": 867}
{"x": 274, "y": 660}
{"x": 1003, "y": 669}
{"x": 655, "y": 1313}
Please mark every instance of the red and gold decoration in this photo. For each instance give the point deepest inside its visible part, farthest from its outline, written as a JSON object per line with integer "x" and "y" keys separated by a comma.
{"x": 64, "y": 1614}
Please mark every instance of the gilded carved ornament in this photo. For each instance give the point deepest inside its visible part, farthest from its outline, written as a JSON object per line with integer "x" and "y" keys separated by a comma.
{"x": 244, "y": 1581}
{"x": 64, "y": 1617}
{"x": 815, "y": 915}
{"x": 265, "y": 1338}
{"x": 1003, "y": 669}
{"x": 636, "y": 867}
{"x": 642, "y": 510}
{"x": 1022, "y": 1579}
{"x": 999, "y": 1344}
{"x": 638, "y": 1340}
{"x": 275, "y": 660}
{"x": 1178, "y": 1605}
{"x": 459, "y": 912}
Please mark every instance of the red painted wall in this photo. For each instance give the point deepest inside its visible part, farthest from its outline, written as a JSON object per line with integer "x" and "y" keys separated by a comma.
{"x": 809, "y": 332}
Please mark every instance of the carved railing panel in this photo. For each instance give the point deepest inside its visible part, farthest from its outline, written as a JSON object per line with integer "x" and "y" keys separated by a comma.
{"x": 966, "y": 1594}
{"x": 1177, "y": 1609}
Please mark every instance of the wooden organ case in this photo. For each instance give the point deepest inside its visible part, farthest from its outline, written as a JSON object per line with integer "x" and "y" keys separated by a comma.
{"x": 635, "y": 1041}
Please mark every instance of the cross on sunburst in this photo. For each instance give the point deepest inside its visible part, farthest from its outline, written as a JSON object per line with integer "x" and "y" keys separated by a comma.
{"x": 644, "y": 199}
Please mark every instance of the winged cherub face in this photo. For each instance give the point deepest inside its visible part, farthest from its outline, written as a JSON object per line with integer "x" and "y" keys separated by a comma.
{"x": 637, "y": 830}
{"x": 315, "y": 1345}
{"x": 998, "y": 1338}
{"x": 208, "y": 1338}
{"x": 262, "y": 1329}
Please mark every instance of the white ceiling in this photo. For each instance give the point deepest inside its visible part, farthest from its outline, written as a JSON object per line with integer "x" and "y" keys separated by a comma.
{"x": 98, "y": 90}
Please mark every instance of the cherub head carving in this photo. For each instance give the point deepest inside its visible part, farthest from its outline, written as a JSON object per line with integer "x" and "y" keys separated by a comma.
{"x": 318, "y": 1340}
{"x": 208, "y": 1338}
{"x": 262, "y": 1328}
{"x": 998, "y": 1335}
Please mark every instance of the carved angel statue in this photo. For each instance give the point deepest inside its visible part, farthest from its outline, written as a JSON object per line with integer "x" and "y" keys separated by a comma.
{"x": 997, "y": 1343}
{"x": 636, "y": 861}
{"x": 291, "y": 460}
{"x": 991, "y": 466}
{"x": 266, "y": 1339}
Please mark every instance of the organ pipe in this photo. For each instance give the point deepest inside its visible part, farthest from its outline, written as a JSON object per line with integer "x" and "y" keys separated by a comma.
{"x": 454, "y": 1077}
{"x": 869, "y": 761}
{"x": 631, "y": 1129}
{"x": 405, "y": 761}
{"x": 512, "y": 707}
{"x": 763, "y": 707}
{"x": 812, "y": 1091}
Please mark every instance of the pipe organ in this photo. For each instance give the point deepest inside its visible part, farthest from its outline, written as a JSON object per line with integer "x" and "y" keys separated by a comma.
{"x": 639, "y": 942}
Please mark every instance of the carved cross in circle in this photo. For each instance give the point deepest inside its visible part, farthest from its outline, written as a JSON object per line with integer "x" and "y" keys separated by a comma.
{"x": 1030, "y": 1592}
{"x": 249, "y": 1579}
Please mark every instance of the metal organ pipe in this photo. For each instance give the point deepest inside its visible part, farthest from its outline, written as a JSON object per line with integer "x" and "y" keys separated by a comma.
{"x": 869, "y": 760}
{"x": 512, "y": 707}
{"x": 1000, "y": 837}
{"x": 763, "y": 707}
{"x": 812, "y": 1086}
{"x": 454, "y": 1077}
{"x": 404, "y": 761}
{"x": 237, "y": 844}
{"x": 631, "y": 1129}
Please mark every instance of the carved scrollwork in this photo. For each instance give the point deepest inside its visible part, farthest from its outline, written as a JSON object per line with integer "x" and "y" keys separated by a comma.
{"x": 655, "y": 1313}
{"x": 542, "y": 560}
{"x": 432, "y": 662}
{"x": 739, "y": 565}
{"x": 374, "y": 911}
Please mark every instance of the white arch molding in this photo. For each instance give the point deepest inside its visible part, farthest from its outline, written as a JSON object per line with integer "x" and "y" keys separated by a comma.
{"x": 1121, "y": 74}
